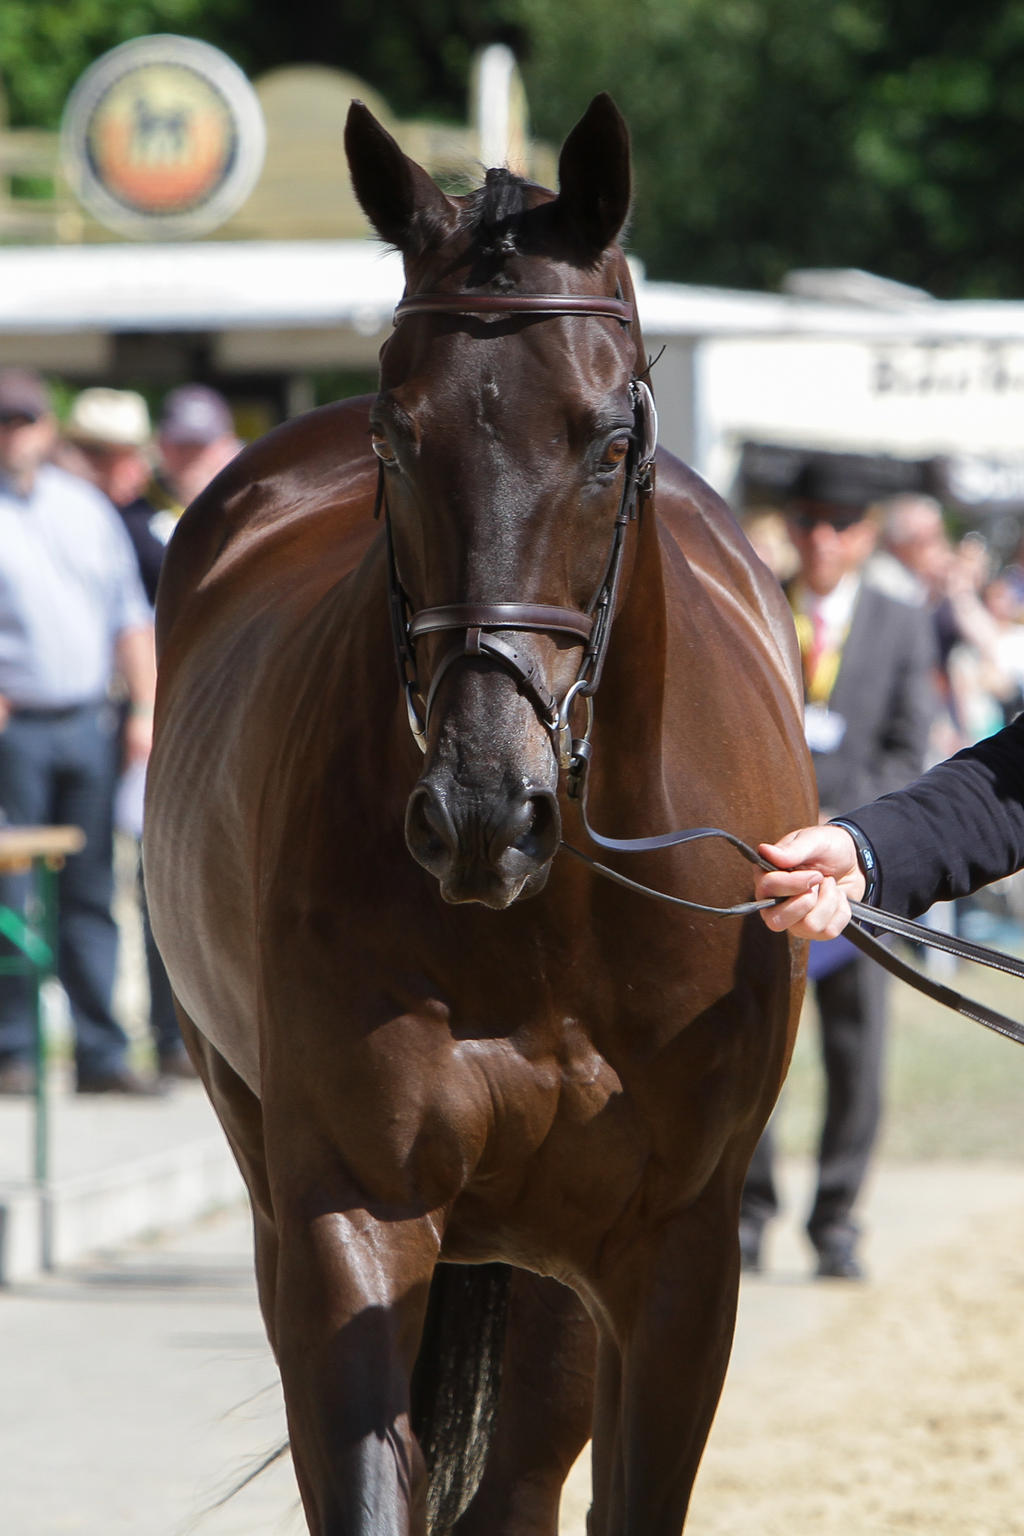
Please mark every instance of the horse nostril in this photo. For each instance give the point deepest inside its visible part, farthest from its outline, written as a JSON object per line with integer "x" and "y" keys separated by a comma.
{"x": 429, "y": 830}
{"x": 534, "y": 827}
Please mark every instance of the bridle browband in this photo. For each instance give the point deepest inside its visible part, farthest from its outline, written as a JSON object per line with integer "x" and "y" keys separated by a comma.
{"x": 485, "y": 627}
{"x": 515, "y": 304}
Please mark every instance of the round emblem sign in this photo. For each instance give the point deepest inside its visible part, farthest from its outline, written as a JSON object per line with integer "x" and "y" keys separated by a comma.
{"x": 163, "y": 137}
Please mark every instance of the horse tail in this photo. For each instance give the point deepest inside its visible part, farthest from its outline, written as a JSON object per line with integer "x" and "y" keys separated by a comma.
{"x": 456, "y": 1383}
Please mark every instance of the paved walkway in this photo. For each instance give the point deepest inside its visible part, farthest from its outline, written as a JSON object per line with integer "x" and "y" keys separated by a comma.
{"x": 118, "y": 1168}
{"x": 139, "y": 1389}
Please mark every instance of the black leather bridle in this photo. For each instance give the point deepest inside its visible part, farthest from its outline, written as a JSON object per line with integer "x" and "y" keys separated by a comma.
{"x": 485, "y": 628}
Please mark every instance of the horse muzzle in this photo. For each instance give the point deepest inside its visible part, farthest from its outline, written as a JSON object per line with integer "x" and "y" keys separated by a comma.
{"x": 491, "y": 847}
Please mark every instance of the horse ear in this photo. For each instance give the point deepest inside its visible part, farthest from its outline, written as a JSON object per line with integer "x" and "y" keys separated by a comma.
{"x": 404, "y": 205}
{"x": 594, "y": 180}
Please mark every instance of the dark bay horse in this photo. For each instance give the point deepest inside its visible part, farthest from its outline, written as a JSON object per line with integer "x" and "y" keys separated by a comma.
{"x": 494, "y": 1113}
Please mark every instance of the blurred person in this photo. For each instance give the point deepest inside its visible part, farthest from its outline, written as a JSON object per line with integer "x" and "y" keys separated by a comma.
{"x": 196, "y": 439}
{"x": 868, "y": 660}
{"x": 987, "y": 677}
{"x": 1000, "y": 602}
{"x": 919, "y": 563}
{"x": 1013, "y": 574}
{"x": 987, "y": 672}
{"x": 73, "y": 614}
{"x": 769, "y": 538}
{"x": 972, "y": 666}
{"x": 111, "y": 430}
{"x": 914, "y": 550}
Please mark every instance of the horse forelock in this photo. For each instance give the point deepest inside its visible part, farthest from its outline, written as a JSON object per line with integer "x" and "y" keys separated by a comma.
{"x": 494, "y": 214}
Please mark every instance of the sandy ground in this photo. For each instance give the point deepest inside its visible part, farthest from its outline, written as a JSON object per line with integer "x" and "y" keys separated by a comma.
{"x": 890, "y": 1407}
{"x": 903, "y": 1413}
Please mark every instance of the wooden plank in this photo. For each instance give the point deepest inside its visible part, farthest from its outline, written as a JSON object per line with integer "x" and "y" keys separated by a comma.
{"x": 20, "y": 845}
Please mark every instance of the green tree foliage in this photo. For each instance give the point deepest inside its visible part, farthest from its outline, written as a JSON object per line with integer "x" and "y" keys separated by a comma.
{"x": 939, "y": 140}
{"x": 45, "y": 45}
{"x": 416, "y": 52}
{"x": 772, "y": 134}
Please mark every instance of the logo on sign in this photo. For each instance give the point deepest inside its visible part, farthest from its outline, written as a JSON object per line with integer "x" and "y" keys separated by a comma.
{"x": 163, "y": 137}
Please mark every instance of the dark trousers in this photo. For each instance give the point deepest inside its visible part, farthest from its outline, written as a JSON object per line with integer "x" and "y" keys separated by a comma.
{"x": 60, "y": 768}
{"x": 852, "y": 1004}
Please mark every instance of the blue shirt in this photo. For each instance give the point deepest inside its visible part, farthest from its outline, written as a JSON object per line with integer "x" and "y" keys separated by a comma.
{"x": 69, "y": 586}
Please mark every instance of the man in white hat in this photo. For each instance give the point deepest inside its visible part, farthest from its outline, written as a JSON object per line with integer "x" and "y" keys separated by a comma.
{"x": 110, "y": 428}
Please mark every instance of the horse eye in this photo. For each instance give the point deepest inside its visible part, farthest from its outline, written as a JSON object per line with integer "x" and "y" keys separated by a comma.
{"x": 615, "y": 453}
{"x": 382, "y": 448}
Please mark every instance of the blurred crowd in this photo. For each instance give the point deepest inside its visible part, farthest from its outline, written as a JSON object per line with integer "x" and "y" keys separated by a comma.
{"x": 88, "y": 501}
{"x": 911, "y": 646}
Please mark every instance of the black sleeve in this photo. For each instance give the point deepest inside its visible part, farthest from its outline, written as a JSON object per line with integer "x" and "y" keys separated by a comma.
{"x": 956, "y": 828}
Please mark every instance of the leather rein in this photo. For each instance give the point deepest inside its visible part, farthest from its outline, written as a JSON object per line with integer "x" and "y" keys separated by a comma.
{"x": 483, "y": 628}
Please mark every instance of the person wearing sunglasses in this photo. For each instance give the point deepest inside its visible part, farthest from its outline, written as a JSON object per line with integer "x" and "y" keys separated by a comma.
{"x": 868, "y": 661}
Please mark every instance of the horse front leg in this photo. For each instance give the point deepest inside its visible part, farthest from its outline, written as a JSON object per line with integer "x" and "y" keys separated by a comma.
{"x": 670, "y": 1313}
{"x": 350, "y": 1299}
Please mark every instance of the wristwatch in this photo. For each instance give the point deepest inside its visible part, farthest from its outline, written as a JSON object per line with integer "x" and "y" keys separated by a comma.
{"x": 866, "y": 858}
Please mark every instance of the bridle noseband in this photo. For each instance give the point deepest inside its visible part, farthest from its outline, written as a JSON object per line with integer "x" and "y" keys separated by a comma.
{"x": 485, "y": 627}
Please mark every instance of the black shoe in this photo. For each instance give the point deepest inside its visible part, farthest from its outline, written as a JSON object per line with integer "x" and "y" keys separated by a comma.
{"x": 751, "y": 1233}
{"x": 121, "y": 1080}
{"x": 176, "y": 1064}
{"x": 17, "y": 1078}
{"x": 837, "y": 1256}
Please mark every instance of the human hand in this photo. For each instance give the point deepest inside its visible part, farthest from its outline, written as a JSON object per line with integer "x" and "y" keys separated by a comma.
{"x": 818, "y": 875}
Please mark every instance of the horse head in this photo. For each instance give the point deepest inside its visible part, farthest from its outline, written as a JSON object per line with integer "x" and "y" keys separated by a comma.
{"x": 508, "y": 429}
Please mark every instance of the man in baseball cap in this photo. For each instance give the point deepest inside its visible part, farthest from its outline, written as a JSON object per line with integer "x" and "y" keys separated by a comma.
{"x": 196, "y": 436}
{"x": 23, "y": 396}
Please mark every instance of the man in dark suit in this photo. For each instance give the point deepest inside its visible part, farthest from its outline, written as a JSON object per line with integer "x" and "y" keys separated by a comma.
{"x": 868, "y": 663}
